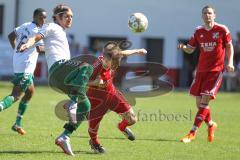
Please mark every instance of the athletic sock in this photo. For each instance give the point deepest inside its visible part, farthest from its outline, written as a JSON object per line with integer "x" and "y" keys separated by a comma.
{"x": 67, "y": 133}
{"x": 82, "y": 113}
{"x": 83, "y": 109}
{"x": 6, "y": 102}
{"x": 194, "y": 129}
{"x": 94, "y": 137}
{"x": 122, "y": 125}
{"x": 21, "y": 110}
{"x": 208, "y": 119}
{"x": 200, "y": 117}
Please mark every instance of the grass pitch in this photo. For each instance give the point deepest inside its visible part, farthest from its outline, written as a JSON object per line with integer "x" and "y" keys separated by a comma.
{"x": 163, "y": 121}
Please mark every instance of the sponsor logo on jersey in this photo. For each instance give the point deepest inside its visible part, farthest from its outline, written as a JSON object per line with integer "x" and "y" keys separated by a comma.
{"x": 208, "y": 46}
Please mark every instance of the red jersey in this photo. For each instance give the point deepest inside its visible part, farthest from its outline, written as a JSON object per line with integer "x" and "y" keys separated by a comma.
{"x": 105, "y": 74}
{"x": 212, "y": 47}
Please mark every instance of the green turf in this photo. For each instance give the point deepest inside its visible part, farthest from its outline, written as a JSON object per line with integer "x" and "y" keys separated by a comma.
{"x": 157, "y": 136}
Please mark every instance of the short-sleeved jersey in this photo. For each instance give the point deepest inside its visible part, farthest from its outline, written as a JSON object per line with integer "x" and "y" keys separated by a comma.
{"x": 56, "y": 43}
{"x": 105, "y": 74}
{"x": 212, "y": 47}
{"x": 25, "y": 62}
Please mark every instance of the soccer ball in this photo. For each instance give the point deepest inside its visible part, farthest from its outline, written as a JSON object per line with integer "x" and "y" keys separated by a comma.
{"x": 138, "y": 22}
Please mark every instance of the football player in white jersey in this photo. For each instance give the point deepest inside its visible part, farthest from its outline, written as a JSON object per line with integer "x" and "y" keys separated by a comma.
{"x": 67, "y": 75}
{"x": 24, "y": 64}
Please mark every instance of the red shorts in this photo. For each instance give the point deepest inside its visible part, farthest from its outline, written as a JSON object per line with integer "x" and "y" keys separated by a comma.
{"x": 206, "y": 83}
{"x": 102, "y": 101}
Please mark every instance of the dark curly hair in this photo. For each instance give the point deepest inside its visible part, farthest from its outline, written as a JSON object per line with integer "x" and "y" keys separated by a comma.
{"x": 37, "y": 11}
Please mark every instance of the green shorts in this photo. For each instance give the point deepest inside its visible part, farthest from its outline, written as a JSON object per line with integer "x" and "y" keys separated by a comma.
{"x": 24, "y": 80}
{"x": 70, "y": 77}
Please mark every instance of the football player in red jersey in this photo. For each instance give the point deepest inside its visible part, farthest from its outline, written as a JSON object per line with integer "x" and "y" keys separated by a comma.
{"x": 214, "y": 40}
{"x": 104, "y": 96}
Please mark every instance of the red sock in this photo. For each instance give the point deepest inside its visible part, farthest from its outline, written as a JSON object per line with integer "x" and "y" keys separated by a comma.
{"x": 208, "y": 117}
{"x": 93, "y": 130}
{"x": 94, "y": 137}
{"x": 122, "y": 125}
{"x": 200, "y": 116}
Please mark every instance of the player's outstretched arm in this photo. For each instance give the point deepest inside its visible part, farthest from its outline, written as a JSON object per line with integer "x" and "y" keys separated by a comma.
{"x": 134, "y": 51}
{"x": 230, "y": 53}
{"x": 185, "y": 48}
{"x": 31, "y": 41}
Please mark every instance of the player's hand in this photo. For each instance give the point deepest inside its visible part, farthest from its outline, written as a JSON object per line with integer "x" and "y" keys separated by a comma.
{"x": 181, "y": 46}
{"x": 142, "y": 51}
{"x": 23, "y": 47}
{"x": 230, "y": 68}
{"x": 102, "y": 84}
{"x": 185, "y": 48}
{"x": 98, "y": 82}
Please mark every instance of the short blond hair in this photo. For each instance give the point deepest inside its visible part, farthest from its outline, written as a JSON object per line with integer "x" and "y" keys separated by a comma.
{"x": 111, "y": 50}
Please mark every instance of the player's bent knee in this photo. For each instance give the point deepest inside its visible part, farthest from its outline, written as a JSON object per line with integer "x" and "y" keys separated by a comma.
{"x": 16, "y": 98}
{"x": 131, "y": 119}
{"x": 205, "y": 99}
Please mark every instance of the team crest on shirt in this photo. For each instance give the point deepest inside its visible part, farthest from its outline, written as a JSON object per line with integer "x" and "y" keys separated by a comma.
{"x": 215, "y": 35}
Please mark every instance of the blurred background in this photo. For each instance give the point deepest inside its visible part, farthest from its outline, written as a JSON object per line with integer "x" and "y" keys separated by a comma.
{"x": 96, "y": 22}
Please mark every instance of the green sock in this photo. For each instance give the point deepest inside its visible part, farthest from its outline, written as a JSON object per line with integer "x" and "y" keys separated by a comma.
{"x": 83, "y": 110}
{"x": 6, "y": 102}
{"x": 73, "y": 98}
{"x": 67, "y": 133}
{"x": 69, "y": 128}
{"x": 21, "y": 110}
{"x": 82, "y": 113}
